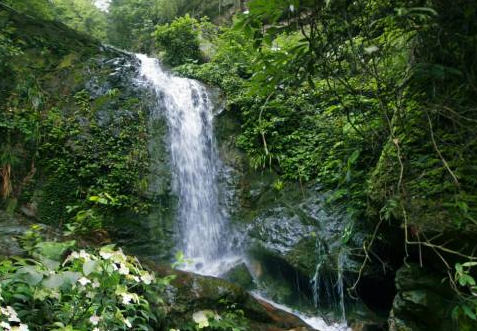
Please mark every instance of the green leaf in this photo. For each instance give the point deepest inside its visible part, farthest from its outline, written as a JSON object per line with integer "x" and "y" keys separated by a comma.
{"x": 465, "y": 279}
{"x": 33, "y": 277}
{"x": 459, "y": 268}
{"x": 89, "y": 266}
{"x": 71, "y": 277}
{"x": 54, "y": 281}
{"x": 468, "y": 311}
{"x": 54, "y": 250}
{"x": 51, "y": 264}
{"x": 352, "y": 159}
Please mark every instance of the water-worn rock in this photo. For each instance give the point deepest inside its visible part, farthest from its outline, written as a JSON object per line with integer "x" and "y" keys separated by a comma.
{"x": 294, "y": 232}
{"x": 189, "y": 293}
{"x": 241, "y": 276}
{"x": 422, "y": 302}
{"x": 12, "y": 227}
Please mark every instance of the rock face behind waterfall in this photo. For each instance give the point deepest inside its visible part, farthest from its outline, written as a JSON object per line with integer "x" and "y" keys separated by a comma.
{"x": 291, "y": 229}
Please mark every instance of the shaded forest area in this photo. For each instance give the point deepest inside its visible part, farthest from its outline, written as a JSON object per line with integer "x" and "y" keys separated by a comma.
{"x": 373, "y": 100}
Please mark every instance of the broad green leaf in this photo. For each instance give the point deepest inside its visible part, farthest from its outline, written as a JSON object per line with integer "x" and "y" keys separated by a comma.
{"x": 89, "y": 266}
{"x": 71, "y": 277}
{"x": 53, "y": 281}
{"x": 468, "y": 311}
{"x": 54, "y": 250}
{"x": 31, "y": 275}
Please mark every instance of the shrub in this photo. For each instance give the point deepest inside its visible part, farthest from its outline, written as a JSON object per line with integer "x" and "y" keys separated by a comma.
{"x": 179, "y": 40}
{"x": 99, "y": 290}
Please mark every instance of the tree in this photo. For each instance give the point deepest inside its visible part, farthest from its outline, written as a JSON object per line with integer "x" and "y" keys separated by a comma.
{"x": 179, "y": 40}
{"x": 81, "y": 15}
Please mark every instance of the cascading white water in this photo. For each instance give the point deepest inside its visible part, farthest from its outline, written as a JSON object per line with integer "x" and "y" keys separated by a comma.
{"x": 189, "y": 112}
{"x": 204, "y": 236}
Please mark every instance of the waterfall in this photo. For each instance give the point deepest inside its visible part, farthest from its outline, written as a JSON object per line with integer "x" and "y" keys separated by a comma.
{"x": 189, "y": 111}
{"x": 328, "y": 286}
{"x": 205, "y": 237}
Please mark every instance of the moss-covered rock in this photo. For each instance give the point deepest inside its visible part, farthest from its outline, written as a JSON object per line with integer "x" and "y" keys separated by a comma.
{"x": 82, "y": 124}
{"x": 421, "y": 302}
{"x": 241, "y": 276}
{"x": 284, "y": 218}
{"x": 189, "y": 293}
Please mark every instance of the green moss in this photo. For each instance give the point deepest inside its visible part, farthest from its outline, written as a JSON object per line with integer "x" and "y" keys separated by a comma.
{"x": 58, "y": 192}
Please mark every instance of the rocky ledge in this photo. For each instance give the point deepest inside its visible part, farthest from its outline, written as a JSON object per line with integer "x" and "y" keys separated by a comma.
{"x": 189, "y": 293}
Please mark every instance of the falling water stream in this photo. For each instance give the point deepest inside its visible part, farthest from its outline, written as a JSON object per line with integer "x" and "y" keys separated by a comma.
{"x": 204, "y": 234}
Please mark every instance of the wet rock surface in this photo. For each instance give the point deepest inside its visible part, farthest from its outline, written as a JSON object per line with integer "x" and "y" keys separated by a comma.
{"x": 422, "y": 302}
{"x": 190, "y": 292}
{"x": 240, "y": 275}
{"x": 12, "y": 227}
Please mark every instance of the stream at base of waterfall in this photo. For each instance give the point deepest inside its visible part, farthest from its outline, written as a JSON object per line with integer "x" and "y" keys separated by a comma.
{"x": 205, "y": 237}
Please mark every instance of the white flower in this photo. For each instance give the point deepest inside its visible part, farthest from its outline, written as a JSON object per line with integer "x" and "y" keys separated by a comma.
{"x": 71, "y": 257}
{"x": 5, "y": 325}
{"x": 123, "y": 270}
{"x": 246, "y": 12}
{"x": 106, "y": 255}
{"x": 94, "y": 319}
{"x": 292, "y": 8}
{"x": 132, "y": 277}
{"x": 96, "y": 284}
{"x": 128, "y": 323}
{"x": 127, "y": 298}
{"x": 95, "y": 329}
{"x": 83, "y": 281}
{"x": 90, "y": 294}
{"x": 201, "y": 319}
{"x": 21, "y": 327}
{"x": 10, "y": 311}
{"x": 12, "y": 315}
{"x": 84, "y": 255}
{"x": 119, "y": 257}
{"x": 147, "y": 278}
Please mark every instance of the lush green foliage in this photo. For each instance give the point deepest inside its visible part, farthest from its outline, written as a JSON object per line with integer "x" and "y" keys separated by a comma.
{"x": 375, "y": 100}
{"x": 179, "y": 40}
{"x": 132, "y": 22}
{"x": 364, "y": 97}
{"x": 60, "y": 288}
{"x": 100, "y": 290}
{"x": 463, "y": 277}
{"x": 81, "y": 15}
{"x": 337, "y": 119}
{"x": 57, "y": 148}
{"x": 37, "y": 8}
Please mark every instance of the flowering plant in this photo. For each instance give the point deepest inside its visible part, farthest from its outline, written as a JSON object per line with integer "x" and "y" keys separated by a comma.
{"x": 101, "y": 290}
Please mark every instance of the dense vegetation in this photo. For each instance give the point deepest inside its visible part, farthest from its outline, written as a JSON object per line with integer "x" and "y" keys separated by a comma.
{"x": 372, "y": 99}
